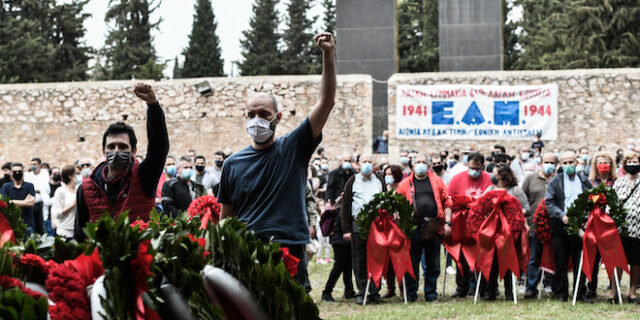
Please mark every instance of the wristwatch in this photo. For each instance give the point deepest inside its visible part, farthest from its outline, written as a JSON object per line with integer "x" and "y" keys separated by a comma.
{"x": 448, "y": 223}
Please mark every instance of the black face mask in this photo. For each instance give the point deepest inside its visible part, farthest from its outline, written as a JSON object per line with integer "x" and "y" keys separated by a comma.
{"x": 494, "y": 179}
{"x": 119, "y": 160}
{"x": 199, "y": 168}
{"x": 218, "y": 163}
{"x": 456, "y": 157}
{"x": 57, "y": 177}
{"x": 632, "y": 169}
{"x": 438, "y": 168}
{"x": 17, "y": 176}
{"x": 7, "y": 177}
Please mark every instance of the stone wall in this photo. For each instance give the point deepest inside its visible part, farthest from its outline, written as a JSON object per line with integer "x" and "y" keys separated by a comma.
{"x": 596, "y": 107}
{"x": 61, "y": 122}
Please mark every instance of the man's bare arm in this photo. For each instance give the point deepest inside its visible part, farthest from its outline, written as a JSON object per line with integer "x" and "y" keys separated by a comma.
{"x": 322, "y": 109}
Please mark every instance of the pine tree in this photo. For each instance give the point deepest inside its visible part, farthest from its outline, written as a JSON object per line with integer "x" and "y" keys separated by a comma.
{"x": 129, "y": 46}
{"x": 71, "y": 55}
{"x": 202, "y": 56}
{"x": 511, "y": 52}
{"x": 176, "y": 69}
{"x": 539, "y": 39}
{"x": 297, "y": 56}
{"x": 329, "y": 18}
{"x": 260, "y": 44}
{"x": 418, "y": 43}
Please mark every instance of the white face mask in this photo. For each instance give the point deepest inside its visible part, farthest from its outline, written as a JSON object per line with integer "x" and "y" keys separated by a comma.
{"x": 259, "y": 129}
{"x": 525, "y": 155}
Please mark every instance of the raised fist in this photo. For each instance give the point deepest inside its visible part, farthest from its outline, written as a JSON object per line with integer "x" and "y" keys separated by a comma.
{"x": 325, "y": 41}
{"x": 145, "y": 92}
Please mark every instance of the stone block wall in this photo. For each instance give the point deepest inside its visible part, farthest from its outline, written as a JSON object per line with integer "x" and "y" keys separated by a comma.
{"x": 596, "y": 107}
{"x": 62, "y": 122}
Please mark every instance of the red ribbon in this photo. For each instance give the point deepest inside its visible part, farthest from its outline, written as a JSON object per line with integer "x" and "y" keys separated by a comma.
{"x": 524, "y": 251}
{"x": 387, "y": 241}
{"x": 6, "y": 232}
{"x": 547, "y": 263}
{"x": 460, "y": 243}
{"x": 140, "y": 270}
{"x": 495, "y": 234}
{"x": 89, "y": 266}
{"x": 601, "y": 234}
{"x": 290, "y": 261}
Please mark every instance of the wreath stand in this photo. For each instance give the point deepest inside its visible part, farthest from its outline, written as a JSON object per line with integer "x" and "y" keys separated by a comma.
{"x": 366, "y": 291}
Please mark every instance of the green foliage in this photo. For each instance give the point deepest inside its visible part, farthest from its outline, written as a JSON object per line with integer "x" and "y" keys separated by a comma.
{"x": 418, "y": 43}
{"x": 176, "y": 69}
{"x": 260, "y": 43}
{"x": 298, "y": 39}
{"x": 42, "y": 41}
{"x": 129, "y": 49}
{"x": 258, "y": 267}
{"x": 511, "y": 52}
{"x": 329, "y": 18}
{"x": 16, "y": 305}
{"x": 578, "y": 212}
{"x": 118, "y": 244}
{"x": 13, "y": 214}
{"x": 395, "y": 204}
{"x": 202, "y": 56}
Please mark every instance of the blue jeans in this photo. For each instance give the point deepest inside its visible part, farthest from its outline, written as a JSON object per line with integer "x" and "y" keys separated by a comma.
{"x": 298, "y": 251}
{"x": 48, "y": 229}
{"x": 533, "y": 272}
{"x": 431, "y": 249}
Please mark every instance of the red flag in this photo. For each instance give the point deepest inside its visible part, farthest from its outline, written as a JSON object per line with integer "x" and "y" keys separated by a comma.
{"x": 89, "y": 266}
{"x": 6, "y": 232}
{"x": 523, "y": 250}
{"x": 601, "y": 234}
{"x": 387, "y": 241}
{"x": 547, "y": 263}
{"x": 460, "y": 244}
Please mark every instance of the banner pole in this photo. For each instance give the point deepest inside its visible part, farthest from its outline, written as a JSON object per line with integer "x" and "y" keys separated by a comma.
{"x": 541, "y": 284}
{"x": 577, "y": 284}
{"x": 475, "y": 296}
{"x": 366, "y": 291}
{"x": 615, "y": 275}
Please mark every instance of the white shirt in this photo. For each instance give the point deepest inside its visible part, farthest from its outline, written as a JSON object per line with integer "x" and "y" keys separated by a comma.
{"x": 458, "y": 168}
{"x": 63, "y": 223}
{"x": 41, "y": 185}
{"x": 517, "y": 166}
{"x": 363, "y": 191}
{"x": 572, "y": 189}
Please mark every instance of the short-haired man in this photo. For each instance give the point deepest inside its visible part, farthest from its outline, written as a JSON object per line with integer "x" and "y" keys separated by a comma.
{"x": 535, "y": 187}
{"x": 179, "y": 192}
{"x": 6, "y": 174}
{"x": 22, "y": 194}
{"x": 337, "y": 179}
{"x": 39, "y": 177}
{"x": 218, "y": 161}
{"x": 561, "y": 192}
{"x": 427, "y": 194}
{"x": 122, "y": 183}
{"x": 202, "y": 176}
{"x": 470, "y": 183}
{"x": 519, "y": 163}
{"x": 358, "y": 191}
{"x": 263, "y": 185}
{"x": 381, "y": 143}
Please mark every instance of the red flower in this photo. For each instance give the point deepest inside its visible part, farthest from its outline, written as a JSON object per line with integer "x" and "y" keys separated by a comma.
{"x": 143, "y": 225}
{"x": 481, "y": 209}
{"x": 290, "y": 261}
{"x": 202, "y": 242}
{"x": 68, "y": 291}
{"x": 541, "y": 223}
{"x": 140, "y": 265}
{"x": 599, "y": 199}
{"x": 7, "y": 282}
{"x": 34, "y": 261}
{"x": 3, "y": 205}
{"x": 207, "y": 207}
{"x": 382, "y": 211}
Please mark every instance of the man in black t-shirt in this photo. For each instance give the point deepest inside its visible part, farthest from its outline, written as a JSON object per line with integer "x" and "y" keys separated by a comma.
{"x": 538, "y": 145}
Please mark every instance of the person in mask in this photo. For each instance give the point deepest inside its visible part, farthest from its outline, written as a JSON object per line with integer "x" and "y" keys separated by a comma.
{"x": 55, "y": 181}
{"x": 518, "y": 164}
{"x": 562, "y": 191}
{"x": 22, "y": 194}
{"x": 440, "y": 169}
{"x": 534, "y": 187}
{"x": 405, "y": 162}
{"x": 63, "y": 210}
{"x": 179, "y": 192}
{"x": 337, "y": 178}
{"x": 381, "y": 143}
{"x": 428, "y": 195}
{"x": 202, "y": 176}
{"x": 470, "y": 183}
{"x": 581, "y": 164}
{"x": 39, "y": 177}
{"x": 218, "y": 161}
{"x": 584, "y": 154}
{"x": 120, "y": 182}
{"x": 170, "y": 171}
{"x": 263, "y": 185}
{"x": 6, "y": 174}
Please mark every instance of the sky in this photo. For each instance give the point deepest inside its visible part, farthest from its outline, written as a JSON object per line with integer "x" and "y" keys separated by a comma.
{"x": 172, "y": 37}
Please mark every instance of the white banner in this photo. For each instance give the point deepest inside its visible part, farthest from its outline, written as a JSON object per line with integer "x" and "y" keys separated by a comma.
{"x": 477, "y": 112}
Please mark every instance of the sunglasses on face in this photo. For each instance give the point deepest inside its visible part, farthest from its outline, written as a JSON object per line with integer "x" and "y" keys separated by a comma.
{"x": 85, "y": 165}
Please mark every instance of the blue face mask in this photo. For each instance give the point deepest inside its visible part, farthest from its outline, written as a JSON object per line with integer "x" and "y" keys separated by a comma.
{"x": 186, "y": 174}
{"x": 171, "y": 171}
{"x": 404, "y": 160}
{"x": 389, "y": 179}
{"x": 346, "y": 165}
{"x": 474, "y": 173}
{"x": 324, "y": 167}
{"x": 366, "y": 168}
{"x": 420, "y": 169}
{"x": 78, "y": 179}
{"x": 548, "y": 168}
{"x": 465, "y": 159}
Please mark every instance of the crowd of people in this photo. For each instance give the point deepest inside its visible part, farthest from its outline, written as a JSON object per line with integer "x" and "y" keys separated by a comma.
{"x": 287, "y": 191}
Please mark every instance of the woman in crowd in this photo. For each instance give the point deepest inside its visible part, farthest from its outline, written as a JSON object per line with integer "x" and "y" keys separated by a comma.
{"x": 627, "y": 188}
{"x": 603, "y": 169}
{"x": 63, "y": 209}
{"x": 393, "y": 174}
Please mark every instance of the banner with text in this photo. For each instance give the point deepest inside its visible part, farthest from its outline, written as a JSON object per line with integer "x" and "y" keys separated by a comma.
{"x": 477, "y": 112}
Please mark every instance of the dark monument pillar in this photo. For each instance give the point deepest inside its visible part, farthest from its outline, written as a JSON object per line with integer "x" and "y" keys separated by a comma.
{"x": 470, "y": 35}
{"x": 366, "y": 44}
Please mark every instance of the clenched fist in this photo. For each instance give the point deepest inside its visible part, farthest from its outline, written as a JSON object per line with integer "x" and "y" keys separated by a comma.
{"x": 146, "y": 93}
{"x": 325, "y": 41}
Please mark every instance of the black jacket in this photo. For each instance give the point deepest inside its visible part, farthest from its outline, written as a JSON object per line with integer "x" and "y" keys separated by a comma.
{"x": 347, "y": 201}
{"x": 176, "y": 195}
{"x": 335, "y": 184}
{"x": 554, "y": 199}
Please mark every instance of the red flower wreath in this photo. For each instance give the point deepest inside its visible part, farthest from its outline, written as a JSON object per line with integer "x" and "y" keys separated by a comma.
{"x": 7, "y": 282}
{"x": 207, "y": 207}
{"x": 461, "y": 203}
{"x": 34, "y": 261}
{"x": 67, "y": 289}
{"x": 3, "y": 205}
{"x": 481, "y": 209}
{"x": 541, "y": 223}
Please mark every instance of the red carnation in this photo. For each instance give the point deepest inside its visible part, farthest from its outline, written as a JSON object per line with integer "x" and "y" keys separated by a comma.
{"x": 207, "y": 207}
{"x": 140, "y": 265}
{"x": 68, "y": 291}
{"x": 541, "y": 223}
{"x": 486, "y": 204}
{"x": 7, "y": 282}
{"x": 35, "y": 261}
{"x": 143, "y": 225}
{"x": 3, "y": 205}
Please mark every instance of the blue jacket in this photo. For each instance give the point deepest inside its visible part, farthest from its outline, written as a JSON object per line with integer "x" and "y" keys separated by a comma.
{"x": 554, "y": 199}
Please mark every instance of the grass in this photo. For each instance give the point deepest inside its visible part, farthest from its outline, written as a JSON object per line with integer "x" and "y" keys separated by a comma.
{"x": 394, "y": 308}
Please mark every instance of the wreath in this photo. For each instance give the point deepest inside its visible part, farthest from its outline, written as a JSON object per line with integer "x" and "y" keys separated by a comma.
{"x": 481, "y": 209}
{"x": 390, "y": 203}
{"x": 578, "y": 212}
{"x": 541, "y": 223}
{"x": 13, "y": 214}
{"x": 68, "y": 290}
{"x": 205, "y": 207}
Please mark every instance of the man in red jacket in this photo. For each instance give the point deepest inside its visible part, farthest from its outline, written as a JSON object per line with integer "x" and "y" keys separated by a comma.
{"x": 122, "y": 183}
{"x": 428, "y": 195}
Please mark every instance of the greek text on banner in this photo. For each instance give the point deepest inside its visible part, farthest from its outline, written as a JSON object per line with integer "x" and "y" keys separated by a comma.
{"x": 477, "y": 112}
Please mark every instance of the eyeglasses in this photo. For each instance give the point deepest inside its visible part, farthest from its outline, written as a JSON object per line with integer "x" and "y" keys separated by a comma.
{"x": 85, "y": 165}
